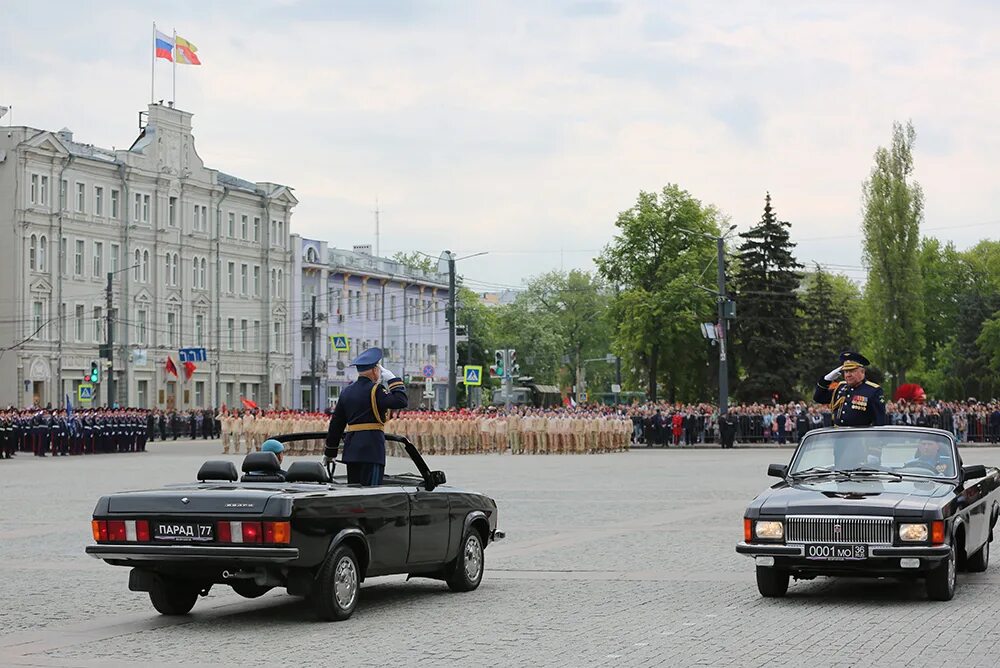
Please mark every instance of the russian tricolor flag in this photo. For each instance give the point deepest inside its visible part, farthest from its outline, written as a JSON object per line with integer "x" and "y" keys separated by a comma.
{"x": 164, "y": 46}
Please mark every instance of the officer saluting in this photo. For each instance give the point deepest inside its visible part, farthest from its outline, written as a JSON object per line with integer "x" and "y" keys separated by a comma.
{"x": 853, "y": 401}
{"x": 360, "y": 417}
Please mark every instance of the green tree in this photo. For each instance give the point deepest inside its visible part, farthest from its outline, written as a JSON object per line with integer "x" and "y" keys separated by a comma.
{"x": 416, "y": 260}
{"x": 944, "y": 276}
{"x": 767, "y": 328}
{"x": 893, "y": 209}
{"x": 826, "y": 325}
{"x": 534, "y": 335}
{"x": 481, "y": 324}
{"x": 663, "y": 245}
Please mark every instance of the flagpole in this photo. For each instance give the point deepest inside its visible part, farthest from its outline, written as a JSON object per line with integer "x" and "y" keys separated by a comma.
{"x": 175, "y": 68}
{"x": 152, "y": 69}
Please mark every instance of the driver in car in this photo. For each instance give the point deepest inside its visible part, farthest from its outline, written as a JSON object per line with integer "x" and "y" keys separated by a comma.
{"x": 928, "y": 456}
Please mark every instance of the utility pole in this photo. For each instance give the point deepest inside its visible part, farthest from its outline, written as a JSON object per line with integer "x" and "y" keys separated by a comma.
{"x": 452, "y": 383}
{"x": 722, "y": 299}
{"x": 313, "y": 381}
{"x": 109, "y": 338}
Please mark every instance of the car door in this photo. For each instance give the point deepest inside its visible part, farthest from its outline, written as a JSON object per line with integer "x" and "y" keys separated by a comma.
{"x": 429, "y": 526}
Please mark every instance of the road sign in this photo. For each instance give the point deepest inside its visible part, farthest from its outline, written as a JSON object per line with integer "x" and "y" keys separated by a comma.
{"x": 429, "y": 385}
{"x": 428, "y": 371}
{"x": 340, "y": 343}
{"x": 85, "y": 392}
{"x": 616, "y": 388}
{"x": 192, "y": 355}
{"x": 473, "y": 375}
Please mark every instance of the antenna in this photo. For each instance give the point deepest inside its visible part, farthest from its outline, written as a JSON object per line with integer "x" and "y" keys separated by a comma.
{"x": 377, "y": 249}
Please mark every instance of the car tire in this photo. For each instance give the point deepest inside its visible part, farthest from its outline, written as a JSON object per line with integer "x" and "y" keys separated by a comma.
{"x": 338, "y": 585}
{"x": 772, "y": 582}
{"x": 467, "y": 570}
{"x": 942, "y": 580}
{"x": 171, "y": 597}
{"x": 979, "y": 561}
{"x": 249, "y": 589}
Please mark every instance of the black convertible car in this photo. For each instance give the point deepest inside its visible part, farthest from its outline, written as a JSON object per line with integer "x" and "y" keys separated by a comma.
{"x": 304, "y": 530}
{"x": 879, "y": 501}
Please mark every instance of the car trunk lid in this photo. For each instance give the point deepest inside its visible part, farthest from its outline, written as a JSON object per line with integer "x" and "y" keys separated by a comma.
{"x": 192, "y": 501}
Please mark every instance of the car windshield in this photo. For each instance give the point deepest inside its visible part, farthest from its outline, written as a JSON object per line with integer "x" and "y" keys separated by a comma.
{"x": 868, "y": 452}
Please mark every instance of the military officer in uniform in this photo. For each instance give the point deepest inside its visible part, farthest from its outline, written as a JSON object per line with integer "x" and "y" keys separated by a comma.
{"x": 854, "y": 401}
{"x": 360, "y": 417}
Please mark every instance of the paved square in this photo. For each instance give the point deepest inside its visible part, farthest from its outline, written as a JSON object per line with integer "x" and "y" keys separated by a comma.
{"x": 612, "y": 560}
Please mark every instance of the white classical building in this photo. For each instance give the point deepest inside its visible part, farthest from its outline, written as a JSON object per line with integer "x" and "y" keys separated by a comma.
{"x": 199, "y": 259}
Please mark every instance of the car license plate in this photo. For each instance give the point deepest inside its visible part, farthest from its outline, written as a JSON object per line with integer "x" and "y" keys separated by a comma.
{"x": 837, "y": 552}
{"x": 182, "y": 531}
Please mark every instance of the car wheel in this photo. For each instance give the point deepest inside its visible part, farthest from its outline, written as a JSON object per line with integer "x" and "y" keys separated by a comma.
{"x": 771, "y": 582}
{"x": 338, "y": 585}
{"x": 941, "y": 581}
{"x": 980, "y": 561}
{"x": 467, "y": 571}
{"x": 249, "y": 589}
{"x": 171, "y": 597}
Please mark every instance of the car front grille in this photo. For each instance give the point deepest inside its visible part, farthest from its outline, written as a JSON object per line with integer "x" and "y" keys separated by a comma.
{"x": 813, "y": 529}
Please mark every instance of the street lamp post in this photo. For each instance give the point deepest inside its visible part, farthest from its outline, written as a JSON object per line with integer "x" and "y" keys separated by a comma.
{"x": 450, "y": 316}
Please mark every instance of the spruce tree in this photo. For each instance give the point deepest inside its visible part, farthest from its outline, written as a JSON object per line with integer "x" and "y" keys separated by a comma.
{"x": 826, "y": 328}
{"x": 767, "y": 327}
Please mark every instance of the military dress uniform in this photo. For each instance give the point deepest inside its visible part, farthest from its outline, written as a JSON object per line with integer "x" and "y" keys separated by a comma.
{"x": 360, "y": 417}
{"x": 861, "y": 406}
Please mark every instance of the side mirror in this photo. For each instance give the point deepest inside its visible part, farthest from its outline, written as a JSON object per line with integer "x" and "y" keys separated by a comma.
{"x": 438, "y": 478}
{"x": 973, "y": 471}
{"x": 777, "y": 470}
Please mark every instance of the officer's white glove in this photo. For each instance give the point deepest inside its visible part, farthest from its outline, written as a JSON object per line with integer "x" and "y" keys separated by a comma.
{"x": 832, "y": 375}
{"x": 385, "y": 374}
{"x": 327, "y": 461}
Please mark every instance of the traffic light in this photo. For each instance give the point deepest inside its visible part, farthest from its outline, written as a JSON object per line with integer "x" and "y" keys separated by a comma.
{"x": 498, "y": 361}
{"x": 515, "y": 368}
{"x": 95, "y": 372}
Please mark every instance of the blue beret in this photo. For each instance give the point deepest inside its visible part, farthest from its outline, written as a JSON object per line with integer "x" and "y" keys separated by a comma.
{"x": 368, "y": 359}
{"x": 271, "y": 445}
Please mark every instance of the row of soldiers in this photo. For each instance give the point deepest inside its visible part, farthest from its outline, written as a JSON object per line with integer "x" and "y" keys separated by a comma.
{"x": 252, "y": 427}
{"x": 62, "y": 433}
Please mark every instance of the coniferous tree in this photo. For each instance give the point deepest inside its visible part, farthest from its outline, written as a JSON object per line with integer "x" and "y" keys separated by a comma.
{"x": 826, "y": 328}
{"x": 767, "y": 327}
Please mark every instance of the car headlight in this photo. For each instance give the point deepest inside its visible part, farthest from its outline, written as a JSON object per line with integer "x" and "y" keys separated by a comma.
{"x": 913, "y": 532}
{"x": 771, "y": 530}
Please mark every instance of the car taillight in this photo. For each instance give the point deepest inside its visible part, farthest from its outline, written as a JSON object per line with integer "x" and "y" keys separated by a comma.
{"x": 116, "y": 531}
{"x": 223, "y": 534}
{"x": 277, "y": 532}
{"x": 937, "y": 532}
{"x": 142, "y": 531}
{"x": 251, "y": 532}
{"x": 747, "y": 529}
{"x": 100, "y": 528}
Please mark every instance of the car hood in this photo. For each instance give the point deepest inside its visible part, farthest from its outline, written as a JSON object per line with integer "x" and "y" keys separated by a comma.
{"x": 853, "y": 497}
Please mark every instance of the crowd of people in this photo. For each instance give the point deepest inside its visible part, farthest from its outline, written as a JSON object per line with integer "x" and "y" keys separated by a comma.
{"x": 582, "y": 429}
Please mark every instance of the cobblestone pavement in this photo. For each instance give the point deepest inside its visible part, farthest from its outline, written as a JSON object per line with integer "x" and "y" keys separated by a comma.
{"x": 612, "y": 560}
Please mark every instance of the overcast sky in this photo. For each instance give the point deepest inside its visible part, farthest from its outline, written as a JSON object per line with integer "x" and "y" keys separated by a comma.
{"x": 523, "y": 128}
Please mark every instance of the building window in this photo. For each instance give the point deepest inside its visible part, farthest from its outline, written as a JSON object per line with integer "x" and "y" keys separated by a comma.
{"x": 43, "y": 192}
{"x": 33, "y": 253}
{"x": 137, "y": 266}
{"x": 243, "y": 335}
{"x": 115, "y": 203}
{"x": 145, "y": 266}
{"x": 231, "y": 277}
{"x": 98, "y": 201}
{"x": 142, "y": 393}
{"x": 199, "y": 393}
{"x": 140, "y": 326}
{"x": 202, "y": 272}
{"x": 244, "y": 227}
{"x": 98, "y": 325}
{"x": 204, "y": 218}
{"x": 33, "y": 191}
{"x": 78, "y": 259}
{"x": 231, "y": 323}
{"x": 199, "y": 329}
{"x": 141, "y": 208}
{"x": 276, "y": 342}
{"x": 79, "y": 322}
{"x": 43, "y": 253}
{"x": 113, "y": 259}
{"x": 37, "y": 322}
{"x": 244, "y": 279}
{"x": 98, "y": 256}
{"x": 171, "y": 329}
{"x": 256, "y": 336}
{"x": 172, "y": 212}
{"x": 256, "y": 281}
{"x": 256, "y": 229}
{"x": 81, "y": 198}
{"x": 232, "y": 225}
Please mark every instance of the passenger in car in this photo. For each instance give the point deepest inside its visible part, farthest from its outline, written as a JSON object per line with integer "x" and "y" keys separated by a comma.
{"x": 271, "y": 445}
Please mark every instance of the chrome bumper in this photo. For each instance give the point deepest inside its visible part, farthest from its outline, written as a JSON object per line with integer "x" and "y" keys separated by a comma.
{"x": 932, "y": 552}
{"x": 193, "y": 553}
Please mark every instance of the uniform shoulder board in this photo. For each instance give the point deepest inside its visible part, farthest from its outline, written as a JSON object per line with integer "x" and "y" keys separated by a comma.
{"x": 868, "y": 382}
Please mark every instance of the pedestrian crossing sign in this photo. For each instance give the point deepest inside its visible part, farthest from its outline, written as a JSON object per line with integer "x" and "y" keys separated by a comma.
{"x": 85, "y": 392}
{"x": 339, "y": 343}
{"x": 473, "y": 375}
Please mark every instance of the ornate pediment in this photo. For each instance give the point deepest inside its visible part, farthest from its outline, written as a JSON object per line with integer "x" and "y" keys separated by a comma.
{"x": 174, "y": 299}
{"x": 47, "y": 141}
{"x": 143, "y": 296}
{"x": 202, "y": 302}
{"x": 41, "y": 285}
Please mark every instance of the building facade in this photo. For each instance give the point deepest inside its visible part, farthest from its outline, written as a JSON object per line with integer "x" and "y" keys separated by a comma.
{"x": 368, "y": 302}
{"x": 197, "y": 258}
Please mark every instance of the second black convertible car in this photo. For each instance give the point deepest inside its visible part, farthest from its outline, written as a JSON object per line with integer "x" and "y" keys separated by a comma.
{"x": 315, "y": 535}
{"x": 879, "y": 501}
